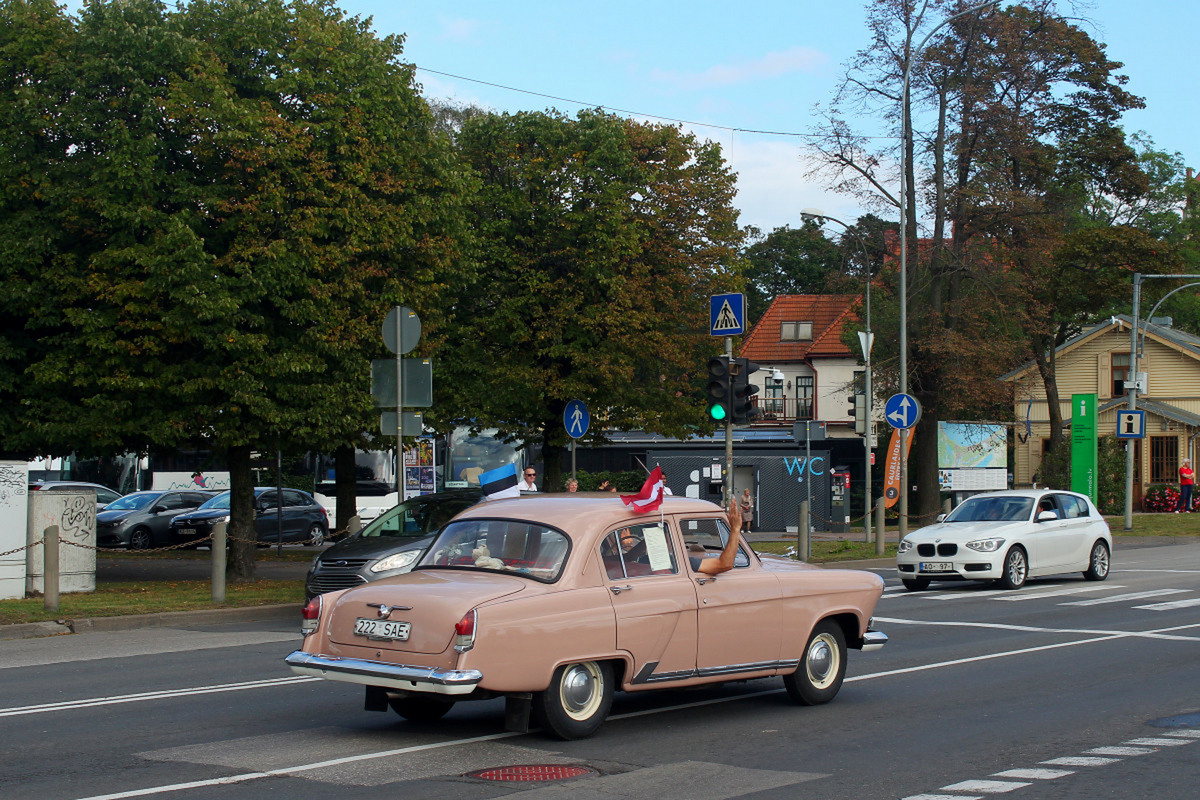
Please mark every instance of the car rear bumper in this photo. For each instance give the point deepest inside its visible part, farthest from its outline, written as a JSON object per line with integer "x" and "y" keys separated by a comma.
{"x": 380, "y": 673}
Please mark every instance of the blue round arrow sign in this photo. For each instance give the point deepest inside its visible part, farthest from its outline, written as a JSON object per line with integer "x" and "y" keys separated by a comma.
{"x": 902, "y": 411}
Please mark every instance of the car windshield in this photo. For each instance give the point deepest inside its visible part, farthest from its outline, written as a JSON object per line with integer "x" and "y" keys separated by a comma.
{"x": 415, "y": 518}
{"x": 220, "y": 502}
{"x": 500, "y": 545}
{"x": 131, "y": 502}
{"x": 992, "y": 509}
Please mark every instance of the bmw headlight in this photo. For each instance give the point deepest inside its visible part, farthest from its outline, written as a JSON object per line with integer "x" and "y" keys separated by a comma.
{"x": 904, "y": 547}
{"x": 395, "y": 561}
{"x": 985, "y": 545}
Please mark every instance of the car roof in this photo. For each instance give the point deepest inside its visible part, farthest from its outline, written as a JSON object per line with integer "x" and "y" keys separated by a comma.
{"x": 69, "y": 484}
{"x": 1031, "y": 493}
{"x": 567, "y": 510}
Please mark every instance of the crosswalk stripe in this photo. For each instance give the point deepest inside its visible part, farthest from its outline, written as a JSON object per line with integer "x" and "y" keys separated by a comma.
{"x": 1171, "y": 605}
{"x": 1119, "y": 598}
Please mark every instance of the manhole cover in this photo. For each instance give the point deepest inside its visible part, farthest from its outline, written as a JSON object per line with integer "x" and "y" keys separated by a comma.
{"x": 532, "y": 772}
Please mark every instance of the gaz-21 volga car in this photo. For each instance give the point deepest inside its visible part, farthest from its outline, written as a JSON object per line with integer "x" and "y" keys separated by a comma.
{"x": 556, "y": 601}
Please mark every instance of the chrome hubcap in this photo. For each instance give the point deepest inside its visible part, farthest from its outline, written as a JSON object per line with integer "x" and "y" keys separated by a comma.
{"x": 1100, "y": 561}
{"x": 578, "y": 689}
{"x": 821, "y": 661}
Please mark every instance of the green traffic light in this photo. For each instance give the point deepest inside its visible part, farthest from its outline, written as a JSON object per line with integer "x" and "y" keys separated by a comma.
{"x": 716, "y": 411}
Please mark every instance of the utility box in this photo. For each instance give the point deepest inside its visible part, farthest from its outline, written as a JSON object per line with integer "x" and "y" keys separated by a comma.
{"x": 74, "y": 512}
{"x": 14, "y": 489}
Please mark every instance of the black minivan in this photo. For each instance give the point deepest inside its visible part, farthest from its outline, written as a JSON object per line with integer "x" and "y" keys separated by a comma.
{"x": 389, "y": 545}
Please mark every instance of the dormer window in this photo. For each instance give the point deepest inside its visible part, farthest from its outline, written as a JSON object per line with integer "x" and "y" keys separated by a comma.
{"x": 795, "y": 331}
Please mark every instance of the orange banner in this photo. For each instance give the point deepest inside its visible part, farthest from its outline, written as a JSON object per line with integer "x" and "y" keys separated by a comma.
{"x": 891, "y": 467}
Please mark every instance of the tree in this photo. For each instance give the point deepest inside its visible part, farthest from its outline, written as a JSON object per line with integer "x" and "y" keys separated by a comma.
{"x": 247, "y": 187}
{"x": 600, "y": 241}
{"x": 1022, "y": 111}
{"x": 789, "y": 261}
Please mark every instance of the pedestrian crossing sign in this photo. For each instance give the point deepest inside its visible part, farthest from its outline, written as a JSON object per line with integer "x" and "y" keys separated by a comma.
{"x": 727, "y": 314}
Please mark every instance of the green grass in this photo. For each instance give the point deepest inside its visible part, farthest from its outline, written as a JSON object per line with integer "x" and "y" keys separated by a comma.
{"x": 150, "y": 597}
{"x": 827, "y": 551}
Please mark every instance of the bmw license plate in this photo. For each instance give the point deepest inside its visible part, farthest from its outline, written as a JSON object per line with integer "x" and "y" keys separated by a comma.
{"x": 384, "y": 629}
{"x": 187, "y": 531}
{"x": 936, "y": 566}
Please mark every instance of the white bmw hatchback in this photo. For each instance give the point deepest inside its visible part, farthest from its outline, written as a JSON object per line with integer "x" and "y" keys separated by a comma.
{"x": 1009, "y": 537}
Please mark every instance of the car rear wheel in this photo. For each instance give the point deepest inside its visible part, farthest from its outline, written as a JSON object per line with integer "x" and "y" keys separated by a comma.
{"x": 578, "y": 699}
{"x": 915, "y": 584}
{"x": 316, "y": 536}
{"x": 1098, "y": 564}
{"x": 421, "y": 709}
{"x": 1016, "y": 569}
{"x": 139, "y": 539}
{"x": 819, "y": 676}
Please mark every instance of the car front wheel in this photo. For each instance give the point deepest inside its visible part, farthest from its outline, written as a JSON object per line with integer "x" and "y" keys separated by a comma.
{"x": 1016, "y": 569}
{"x": 421, "y": 709}
{"x": 915, "y": 584}
{"x": 819, "y": 676}
{"x": 1098, "y": 564}
{"x": 139, "y": 539}
{"x": 578, "y": 699}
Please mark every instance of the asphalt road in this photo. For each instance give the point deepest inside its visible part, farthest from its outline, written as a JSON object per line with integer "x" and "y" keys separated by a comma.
{"x": 1064, "y": 689}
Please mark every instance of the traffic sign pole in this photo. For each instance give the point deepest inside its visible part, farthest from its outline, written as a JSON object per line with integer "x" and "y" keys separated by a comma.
{"x": 729, "y": 499}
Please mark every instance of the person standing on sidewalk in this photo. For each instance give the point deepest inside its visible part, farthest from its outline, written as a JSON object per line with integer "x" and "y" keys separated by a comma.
{"x": 1187, "y": 478}
{"x": 747, "y": 507}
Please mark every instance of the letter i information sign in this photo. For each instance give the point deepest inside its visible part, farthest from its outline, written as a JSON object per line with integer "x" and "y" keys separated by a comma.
{"x": 1084, "y": 445}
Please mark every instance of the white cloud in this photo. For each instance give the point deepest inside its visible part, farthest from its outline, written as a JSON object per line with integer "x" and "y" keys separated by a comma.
{"x": 772, "y": 65}
{"x": 458, "y": 30}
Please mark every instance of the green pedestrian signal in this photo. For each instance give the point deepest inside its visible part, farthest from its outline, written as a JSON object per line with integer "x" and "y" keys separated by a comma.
{"x": 718, "y": 391}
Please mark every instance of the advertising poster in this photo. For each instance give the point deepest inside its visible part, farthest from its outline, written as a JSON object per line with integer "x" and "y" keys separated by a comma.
{"x": 420, "y": 468}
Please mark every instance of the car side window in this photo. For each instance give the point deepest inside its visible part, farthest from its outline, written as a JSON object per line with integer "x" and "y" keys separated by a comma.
{"x": 268, "y": 499}
{"x": 636, "y": 550}
{"x": 292, "y": 498}
{"x": 1047, "y": 504}
{"x": 1073, "y": 507}
{"x": 170, "y": 502}
{"x": 192, "y": 499}
{"x": 707, "y": 537}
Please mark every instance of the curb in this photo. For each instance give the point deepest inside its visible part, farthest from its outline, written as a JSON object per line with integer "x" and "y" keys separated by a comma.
{"x": 288, "y": 612}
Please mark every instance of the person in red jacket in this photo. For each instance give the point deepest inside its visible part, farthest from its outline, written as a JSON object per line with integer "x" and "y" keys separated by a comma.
{"x": 1187, "y": 478}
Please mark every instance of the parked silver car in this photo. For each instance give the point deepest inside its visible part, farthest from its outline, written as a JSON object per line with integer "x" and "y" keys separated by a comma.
{"x": 143, "y": 519}
{"x": 104, "y": 495}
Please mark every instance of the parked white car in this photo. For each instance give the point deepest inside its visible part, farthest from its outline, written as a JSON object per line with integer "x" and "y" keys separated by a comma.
{"x": 1009, "y": 537}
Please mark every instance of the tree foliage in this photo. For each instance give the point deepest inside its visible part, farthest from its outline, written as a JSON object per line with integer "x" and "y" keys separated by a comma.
{"x": 599, "y": 243}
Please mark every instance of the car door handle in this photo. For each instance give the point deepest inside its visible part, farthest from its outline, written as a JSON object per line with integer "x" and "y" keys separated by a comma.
{"x": 703, "y": 581}
{"x": 619, "y": 589}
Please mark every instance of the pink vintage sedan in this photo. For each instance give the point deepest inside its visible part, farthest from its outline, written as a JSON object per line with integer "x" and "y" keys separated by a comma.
{"x": 556, "y": 601}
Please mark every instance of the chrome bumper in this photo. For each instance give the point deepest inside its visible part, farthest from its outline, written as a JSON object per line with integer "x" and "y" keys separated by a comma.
{"x": 379, "y": 673}
{"x": 873, "y": 640}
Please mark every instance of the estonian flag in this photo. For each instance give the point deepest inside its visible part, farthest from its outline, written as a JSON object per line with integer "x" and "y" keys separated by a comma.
{"x": 500, "y": 482}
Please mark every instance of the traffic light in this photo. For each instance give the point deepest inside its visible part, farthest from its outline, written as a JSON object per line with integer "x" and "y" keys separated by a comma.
{"x": 718, "y": 392}
{"x": 744, "y": 409}
{"x": 858, "y": 412}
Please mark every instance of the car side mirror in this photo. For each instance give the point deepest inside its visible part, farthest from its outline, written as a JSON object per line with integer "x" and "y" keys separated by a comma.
{"x": 1047, "y": 516}
{"x": 265, "y": 506}
{"x": 158, "y": 509}
{"x": 941, "y": 517}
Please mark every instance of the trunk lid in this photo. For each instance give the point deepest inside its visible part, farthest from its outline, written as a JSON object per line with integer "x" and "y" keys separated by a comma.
{"x": 430, "y": 601}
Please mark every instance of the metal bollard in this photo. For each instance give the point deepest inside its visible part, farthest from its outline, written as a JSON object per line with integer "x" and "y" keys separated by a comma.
{"x": 947, "y": 506}
{"x": 803, "y": 533}
{"x": 880, "y": 529}
{"x": 50, "y": 568}
{"x": 218, "y": 562}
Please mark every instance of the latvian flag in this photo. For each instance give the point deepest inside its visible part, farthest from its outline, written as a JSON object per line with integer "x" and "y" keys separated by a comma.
{"x": 651, "y": 495}
{"x": 500, "y": 483}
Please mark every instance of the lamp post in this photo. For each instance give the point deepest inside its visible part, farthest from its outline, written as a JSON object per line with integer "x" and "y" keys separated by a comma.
{"x": 903, "y": 202}
{"x": 867, "y": 341}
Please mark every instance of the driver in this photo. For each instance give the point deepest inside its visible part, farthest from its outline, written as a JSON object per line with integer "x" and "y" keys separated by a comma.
{"x": 714, "y": 565}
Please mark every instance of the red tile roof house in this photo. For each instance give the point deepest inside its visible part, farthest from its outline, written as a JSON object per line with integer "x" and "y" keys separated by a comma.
{"x": 799, "y": 339}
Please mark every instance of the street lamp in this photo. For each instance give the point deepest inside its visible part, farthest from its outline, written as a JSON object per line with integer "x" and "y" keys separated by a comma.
{"x": 866, "y": 342}
{"x": 904, "y": 134}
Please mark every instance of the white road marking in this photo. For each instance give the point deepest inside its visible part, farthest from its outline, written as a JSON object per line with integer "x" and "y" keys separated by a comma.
{"x": 987, "y": 787}
{"x": 1185, "y": 733}
{"x": 68, "y": 705}
{"x": 1154, "y": 741}
{"x": 1080, "y": 761}
{"x": 1119, "y": 751}
{"x": 1034, "y": 774}
{"x": 1066, "y": 590}
{"x": 1169, "y": 606}
{"x": 942, "y": 797}
{"x": 1121, "y": 598}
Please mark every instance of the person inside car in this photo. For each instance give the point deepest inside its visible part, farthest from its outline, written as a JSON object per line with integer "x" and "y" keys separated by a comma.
{"x": 715, "y": 565}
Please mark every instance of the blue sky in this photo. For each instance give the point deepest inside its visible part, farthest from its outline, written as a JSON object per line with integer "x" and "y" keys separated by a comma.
{"x": 724, "y": 69}
{"x": 752, "y": 66}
